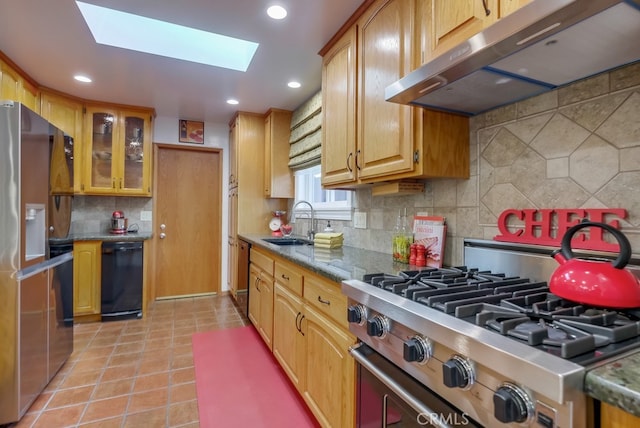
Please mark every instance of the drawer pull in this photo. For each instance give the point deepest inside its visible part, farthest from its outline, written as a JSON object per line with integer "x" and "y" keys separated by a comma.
{"x": 324, "y": 302}
{"x": 285, "y": 277}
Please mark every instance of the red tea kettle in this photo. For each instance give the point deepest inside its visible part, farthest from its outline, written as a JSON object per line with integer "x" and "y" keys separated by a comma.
{"x": 595, "y": 281}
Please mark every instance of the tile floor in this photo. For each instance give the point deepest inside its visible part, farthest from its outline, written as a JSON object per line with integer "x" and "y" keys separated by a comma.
{"x": 134, "y": 373}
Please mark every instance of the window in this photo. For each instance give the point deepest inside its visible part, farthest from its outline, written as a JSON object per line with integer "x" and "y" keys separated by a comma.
{"x": 328, "y": 204}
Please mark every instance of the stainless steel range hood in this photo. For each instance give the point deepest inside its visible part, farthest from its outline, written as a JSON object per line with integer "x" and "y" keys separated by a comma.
{"x": 544, "y": 45}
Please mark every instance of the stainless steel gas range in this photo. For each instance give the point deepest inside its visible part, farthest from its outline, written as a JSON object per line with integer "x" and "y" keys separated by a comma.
{"x": 485, "y": 344}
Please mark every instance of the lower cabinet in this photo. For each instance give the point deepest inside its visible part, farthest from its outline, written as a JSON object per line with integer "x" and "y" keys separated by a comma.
{"x": 261, "y": 294}
{"x": 613, "y": 417}
{"x": 87, "y": 272}
{"x": 311, "y": 341}
{"x": 288, "y": 341}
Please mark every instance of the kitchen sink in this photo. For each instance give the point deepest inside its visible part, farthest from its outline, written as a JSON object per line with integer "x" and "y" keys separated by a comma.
{"x": 288, "y": 241}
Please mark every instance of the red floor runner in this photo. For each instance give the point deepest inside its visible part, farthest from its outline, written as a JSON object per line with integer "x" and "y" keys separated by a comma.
{"x": 240, "y": 384}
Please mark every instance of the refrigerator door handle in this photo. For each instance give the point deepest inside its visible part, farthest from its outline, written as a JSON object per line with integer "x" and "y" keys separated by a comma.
{"x": 41, "y": 267}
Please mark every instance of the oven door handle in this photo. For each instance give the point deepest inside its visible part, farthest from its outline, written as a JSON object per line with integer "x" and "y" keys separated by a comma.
{"x": 407, "y": 397}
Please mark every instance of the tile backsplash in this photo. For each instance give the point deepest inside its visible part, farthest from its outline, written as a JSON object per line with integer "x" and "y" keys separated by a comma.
{"x": 92, "y": 214}
{"x": 577, "y": 146}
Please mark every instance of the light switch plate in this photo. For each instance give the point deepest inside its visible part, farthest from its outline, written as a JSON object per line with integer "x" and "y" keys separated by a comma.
{"x": 360, "y": 220}
{"x": 145, "y": 215}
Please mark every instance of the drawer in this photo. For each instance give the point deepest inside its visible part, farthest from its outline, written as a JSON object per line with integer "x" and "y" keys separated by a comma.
{"x": 261, "y": 260}
{"x": 327, "y": 298}
{"x": 288, "y": 276}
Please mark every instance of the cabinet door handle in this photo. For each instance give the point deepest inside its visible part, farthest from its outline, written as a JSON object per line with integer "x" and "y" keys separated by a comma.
{"x": 487, "y": 12}
{"x": 297, "y": 325}
{"x": 113, "y": 184}
{"x": 357, "y": 154}
{"x": 348, "y": 163}
{"x": 257, "y": 282}
{"x": 121, "y": 182}
{"x": 300, "y": 329}
{"x": 324, "y": 302}
{"x": 285, "y": 277}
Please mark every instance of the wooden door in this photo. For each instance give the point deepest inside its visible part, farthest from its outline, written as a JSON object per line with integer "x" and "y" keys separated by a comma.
{"x": 187, "y": 221}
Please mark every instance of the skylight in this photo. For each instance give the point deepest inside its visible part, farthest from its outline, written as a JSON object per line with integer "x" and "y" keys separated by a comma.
{"x": 138, "y": 33}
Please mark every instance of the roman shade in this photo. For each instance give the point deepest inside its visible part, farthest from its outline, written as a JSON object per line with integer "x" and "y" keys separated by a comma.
{"x": 306, "y": 134}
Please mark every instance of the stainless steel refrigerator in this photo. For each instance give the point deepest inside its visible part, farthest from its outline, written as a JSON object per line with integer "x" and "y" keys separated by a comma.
{"x": 36, "y": 288}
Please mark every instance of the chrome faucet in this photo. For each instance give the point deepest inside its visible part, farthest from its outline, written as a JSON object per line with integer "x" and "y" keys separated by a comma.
{"x": 311, "y": 233}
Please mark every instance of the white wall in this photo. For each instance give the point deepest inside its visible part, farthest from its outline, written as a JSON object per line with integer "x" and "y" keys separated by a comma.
{"x": 165, "y": 130}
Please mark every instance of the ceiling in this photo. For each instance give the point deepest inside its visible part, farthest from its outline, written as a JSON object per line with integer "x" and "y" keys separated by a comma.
{"x": 50, "y": 41}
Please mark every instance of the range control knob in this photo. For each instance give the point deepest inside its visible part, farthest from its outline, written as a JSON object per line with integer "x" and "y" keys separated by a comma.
{"x": 458, "y": 372}
{"x": 357, "y": 314}
{"x": 378, "y": 326}
{"x": 512, "y": 404}
{"x": 418, "y": 349}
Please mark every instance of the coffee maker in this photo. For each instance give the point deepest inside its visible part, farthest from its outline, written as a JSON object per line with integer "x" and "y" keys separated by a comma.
{"x": 118, "y": 222}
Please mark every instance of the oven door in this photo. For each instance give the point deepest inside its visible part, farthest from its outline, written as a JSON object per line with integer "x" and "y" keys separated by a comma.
{"x": 389, "y": 397}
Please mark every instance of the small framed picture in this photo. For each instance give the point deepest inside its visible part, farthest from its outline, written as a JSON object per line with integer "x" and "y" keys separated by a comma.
{"x": 191, "y": 132}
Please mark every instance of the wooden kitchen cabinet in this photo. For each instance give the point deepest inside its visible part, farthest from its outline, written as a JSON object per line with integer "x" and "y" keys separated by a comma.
{"x": 310, "y": 331}
{"x": 278, "y": 177}
{"x": 14, "y": 86}
{"x": 232, "y": 243}
{"x": 339, "y": 111}
{"x": 455, "y": 22}
{"x": 66, "y": 114}
{"x": 326, "y": 345}
{"x": 615, "y": 417}
{"x": 87, "y": 274}
{"x": 390, "y": 141}
{"x": 288, "y": 342}
{"x": 261, "y": 294}
{"x": 117, "y": 155}
{"x": 249, "y": 210}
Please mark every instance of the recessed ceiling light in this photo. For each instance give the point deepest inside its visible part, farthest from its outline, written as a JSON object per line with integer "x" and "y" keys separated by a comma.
{"x": 137, "y": 33}
{"x": 81, "y": 78}
{"x": 232, "y": 102}
{"x": 294, "y": 84}
{"x": 277, "y": 12}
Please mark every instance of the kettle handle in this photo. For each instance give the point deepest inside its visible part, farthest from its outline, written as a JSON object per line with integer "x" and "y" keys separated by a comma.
{"x": 625, "y": 246}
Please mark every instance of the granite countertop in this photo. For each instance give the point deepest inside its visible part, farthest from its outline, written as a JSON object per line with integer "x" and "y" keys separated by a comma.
{"x": 102, "y": 236}
{"x": 616, "y": 383}
{"x": 335, "y": 264}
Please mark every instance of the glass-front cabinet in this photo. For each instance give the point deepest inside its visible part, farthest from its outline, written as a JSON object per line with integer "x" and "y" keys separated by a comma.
{"x": 118, "y": 154}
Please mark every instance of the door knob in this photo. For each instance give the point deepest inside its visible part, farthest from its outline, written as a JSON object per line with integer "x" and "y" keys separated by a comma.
{"x": 163, "y": 226}
{"x": 163, "y": 235}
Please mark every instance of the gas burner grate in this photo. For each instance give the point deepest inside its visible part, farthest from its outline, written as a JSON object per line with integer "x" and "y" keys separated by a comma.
{"x": 515, "y": 307}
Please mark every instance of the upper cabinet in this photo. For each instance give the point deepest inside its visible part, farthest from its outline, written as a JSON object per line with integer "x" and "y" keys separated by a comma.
{"x": 339, "y": 111}
{"x": 66, "y": 114}
{"x": 445, "y": 24}
{"x": 13, "y": 86}
{"x": 117, "y": 155}
{"x": 278, "y": 178}
{"x": 386, "y": 141}
{"x": 454, "y": 22}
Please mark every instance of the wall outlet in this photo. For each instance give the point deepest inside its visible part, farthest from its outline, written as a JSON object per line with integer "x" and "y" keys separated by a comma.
{"x": 145, "y": 215}
{"x": 360, "y": 220}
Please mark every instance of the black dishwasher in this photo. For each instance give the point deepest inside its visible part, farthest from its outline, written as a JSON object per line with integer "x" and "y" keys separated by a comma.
{"x": 121, "y": 280}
